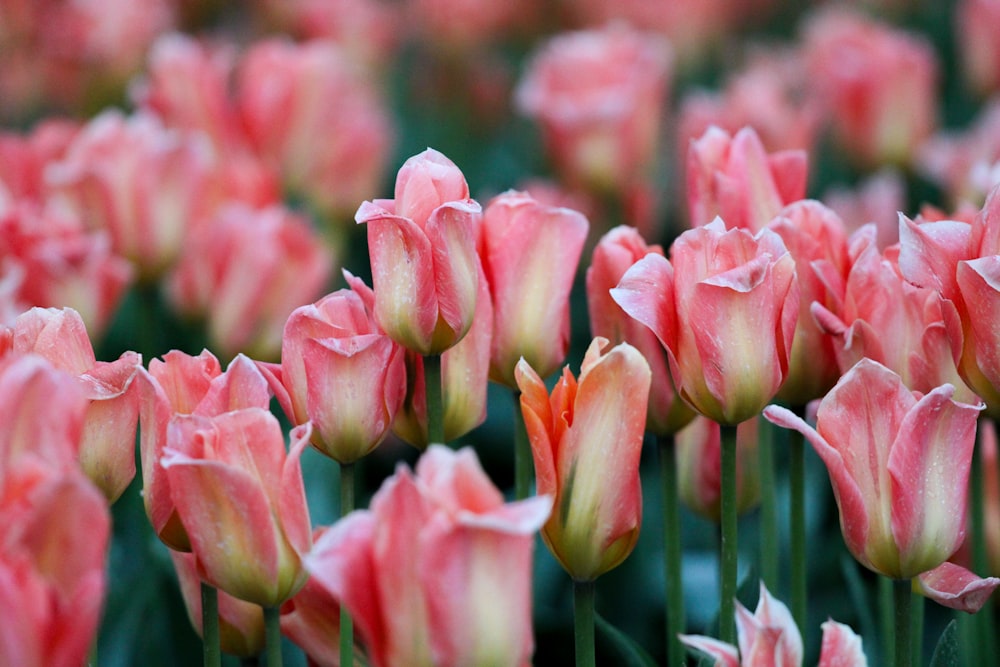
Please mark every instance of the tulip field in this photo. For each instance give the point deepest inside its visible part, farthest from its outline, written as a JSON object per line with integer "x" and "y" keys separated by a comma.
{"x": 461, "y": 333}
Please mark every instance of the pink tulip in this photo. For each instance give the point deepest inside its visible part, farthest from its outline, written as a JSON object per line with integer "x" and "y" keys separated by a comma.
{"x": 979, "y": 53}
{"x": 698, "y": 449}
{"x": 423, "y": 255}
{"x": 601, "y": 129}
{"x": 614, "y": 254}
{"x": 107, "y": 442}
{"x": 770, "y": 637}
{"x": 877, "y": 199}
{"x": 877, "y": 83}
{"x": 817, "y": 240}
{"x": 53, "y": 549}
{"x": 146, "y": 185}
{"x": 241, "y": 501}
{"x": 734, "y": 178}
{"x": 342, "y": 373}
{"x": 246, "y": 270}
{"x": 284, "y": 91}
{"x": 438, "y": 572}
{"x": 182, "y": 385}
{"x": 530, "y": 253}
{"x": 586, "y": 439}
{"x": 464, "y": 381}
{"x": 24, "y": 157}
{"x": 725, "y": 310}
{"x": 965, "y": 162}
{"x": 241, "y": 624}
{"x": 909, "y": 329}
{"x": 899, "y": 463}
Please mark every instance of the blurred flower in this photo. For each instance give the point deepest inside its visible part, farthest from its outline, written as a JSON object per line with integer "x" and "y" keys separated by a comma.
{"x": 877, "y": 199}
{"x": 245, "y": 271}
{"x": 182, "y": 384}
{"x": 817, "y": 240}
{"x": 600, "y": 97}
{"x": 422, "y": 246}
{"x": 725, "y": 309}
{"x": 241, "y": 624}
{"x": 107, "y": 440}
{"x": 734, "y": 178}
{"x": 586, "y": 439}
{"x": 618, "y": 250}
{"x": 146, "y": 185}
{"x": 698, "y": 449}
{"x": 975, "y": 39}
{"x": 438, "y": 572}
{"x": 530, "y": 254}
{"x": 460, "y": 26}
{"x": 23, "y": 159}
{"x": 241, "y": 501}
{"x": 899, "y": 464}
{"x": 877, "y": 84}
{"x": 342, "y": 373}
{"x": 965, "y": 162}
{"x": 284, "y": 93}
{"x": 769, "y": 636}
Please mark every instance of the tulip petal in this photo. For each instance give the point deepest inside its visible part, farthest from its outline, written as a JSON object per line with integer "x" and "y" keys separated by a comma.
{"x": 451, "y": 232}
{"x": 538, "y": 420}
{"x": 955, "y": 587}
{"x": 841, "y": 647}
{"x": 725, "y": 655}
{"x": 979, "y": 283}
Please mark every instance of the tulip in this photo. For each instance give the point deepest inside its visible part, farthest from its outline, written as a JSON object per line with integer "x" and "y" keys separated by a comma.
{"x": 601, "y": 130}
{"x": 423, "y": 255}
{"x": 698, "y": 449}
{"x": 899, "y": 462}
{"x": 241, "y": 624}
{"x": 241, "y": 501}
{"x": 342, "y": 373}
{"x": 617, "y": 250}
{"x": 438, "y": 571}
{"x": 530, "y": 253}
{"x": 586, "y": 439}
{"x": 769, "y": 636}
{"x": 181, "y": 384}
{"x": 107, "y": 442}
{"x": 725, "y": 309}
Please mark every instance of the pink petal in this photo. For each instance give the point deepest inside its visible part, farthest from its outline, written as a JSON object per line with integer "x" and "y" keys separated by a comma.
{"x": 841, "y": 647}
{"x": 725, "y": 655}
{"x": 955, "y": 587}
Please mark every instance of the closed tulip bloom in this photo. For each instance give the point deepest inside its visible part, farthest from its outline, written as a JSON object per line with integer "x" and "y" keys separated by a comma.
{"x": 899, "y": 464}
{"x": 530, "y": 254}
{"x": 438, "y": 571}
{"x": 423, "y": 254}
{"x": 586, "y": 439}
{"x": 107, "y": 443}
{"x": 242, "y": 501}
{"x": 735, "y": 178}
{"x": 340, "y": 371}
{"x": 725, "y": 308}
{"x": 617, "y": 250}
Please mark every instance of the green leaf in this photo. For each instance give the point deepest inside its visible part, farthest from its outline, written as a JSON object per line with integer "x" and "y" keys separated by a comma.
{"x": 946, "y": 651}
{"x": 624, "y": 650}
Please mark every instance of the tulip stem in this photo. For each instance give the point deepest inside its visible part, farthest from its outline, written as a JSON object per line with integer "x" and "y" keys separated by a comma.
{"x": 672, "y": 563}
{"x": 768, "y": 506}
{"x": 523, "y": 462}
{"x": 583, "y": 620}
{"x": 272, "y": 632}
{"x": 728, "y": 560}
{"x": 211, "y": 653}
{"x": 886, "y": 620}
{"x": 917, "y": 626}
{"x": 346, "y": 507}
{"x": 902, "y": 597}
{"x": 797, "y": 526}
{"x": 435, "y": 399}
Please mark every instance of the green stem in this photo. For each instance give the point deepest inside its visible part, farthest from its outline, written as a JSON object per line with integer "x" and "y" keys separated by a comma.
{"x": 272, "y": 632}
{"x": 672, "y": 563}
{"x": 211, "y": 652}
{"x": 583, "y": 623}
{"x": 728, "y": 560}
{"x": 524, "y": 465}
{"x": 886, "y": 620}
{"x": 797, "y": 527}
{"x": 768, "y": 506}
{"x": 917, "y": 627}
{"x": 902, "y": 596}
{"x": 346, "y": 507}
{"x": 435, "y": 399}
